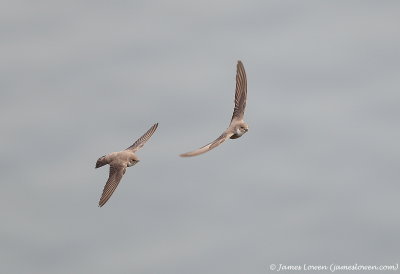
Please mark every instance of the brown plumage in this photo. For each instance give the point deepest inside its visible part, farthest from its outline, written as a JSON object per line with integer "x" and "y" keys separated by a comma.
{"x": 237, "y": 126}
{"x": 119, "y": 161}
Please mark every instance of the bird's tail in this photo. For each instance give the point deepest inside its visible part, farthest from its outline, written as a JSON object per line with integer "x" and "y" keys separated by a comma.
{"x": 101, "y": 161}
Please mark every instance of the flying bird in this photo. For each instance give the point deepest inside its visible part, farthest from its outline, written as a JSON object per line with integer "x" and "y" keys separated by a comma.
{"x": 237, "y": 127}
{"x": 119, "y": 161}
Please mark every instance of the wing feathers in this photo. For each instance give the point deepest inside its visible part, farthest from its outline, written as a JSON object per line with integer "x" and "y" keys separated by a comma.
{"x": 240, "y": 93}
{"x": 142, "y": 140}
{"x": 114, "y": 178}
{"x": 209, "y": 146}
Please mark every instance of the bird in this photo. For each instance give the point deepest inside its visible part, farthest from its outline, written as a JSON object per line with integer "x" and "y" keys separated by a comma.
{"x": 119, "y": 161}
{"x": 237, "y": 126}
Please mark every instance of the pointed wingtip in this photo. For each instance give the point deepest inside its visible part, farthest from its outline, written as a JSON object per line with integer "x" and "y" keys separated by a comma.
{"x": 188, "y": 154}
{"x": 154, "y": 128}
{"x": 239, "y": 65}
{"x": 101, "y": 202}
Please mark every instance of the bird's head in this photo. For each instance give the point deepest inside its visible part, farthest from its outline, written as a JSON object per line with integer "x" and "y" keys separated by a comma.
{"x": 241, "y": 128}
{"x": 133, "y": 161}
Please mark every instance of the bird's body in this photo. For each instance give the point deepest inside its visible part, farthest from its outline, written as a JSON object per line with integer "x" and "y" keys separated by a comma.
{"x": 118, "y": 162}
{"x": 125, "y": 158}
{"x": 237, "y": 126}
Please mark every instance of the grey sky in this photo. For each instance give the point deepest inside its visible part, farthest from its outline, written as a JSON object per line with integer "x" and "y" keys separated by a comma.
{"x": 315, "y": 180}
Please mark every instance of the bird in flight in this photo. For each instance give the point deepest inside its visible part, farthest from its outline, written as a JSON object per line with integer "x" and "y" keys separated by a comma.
{"x": 237, "y": 127}
{"x": 119, "y": 161}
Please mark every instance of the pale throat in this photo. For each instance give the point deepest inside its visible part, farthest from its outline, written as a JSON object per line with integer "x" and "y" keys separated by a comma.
{"x": 239, "y": 132}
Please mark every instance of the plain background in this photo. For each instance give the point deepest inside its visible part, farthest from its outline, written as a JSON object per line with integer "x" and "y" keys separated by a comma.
{"x": 314, "y": 181}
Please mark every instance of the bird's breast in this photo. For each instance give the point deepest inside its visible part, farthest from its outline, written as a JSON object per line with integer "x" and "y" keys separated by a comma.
{"x": 235, "y": 136}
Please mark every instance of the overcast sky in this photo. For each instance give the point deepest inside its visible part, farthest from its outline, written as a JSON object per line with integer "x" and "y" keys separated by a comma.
{"x": 315, "y": 180}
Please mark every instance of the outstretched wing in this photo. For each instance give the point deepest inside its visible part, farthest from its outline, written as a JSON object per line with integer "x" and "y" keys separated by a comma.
{"x": 142, "y": 140}
{"x": 115, "y": 176}
{"x": 209, "y": 146}
{"x": 240, "y": 93}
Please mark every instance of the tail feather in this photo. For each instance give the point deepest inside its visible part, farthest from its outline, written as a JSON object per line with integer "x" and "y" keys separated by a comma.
{"x": 101, "y": 161}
